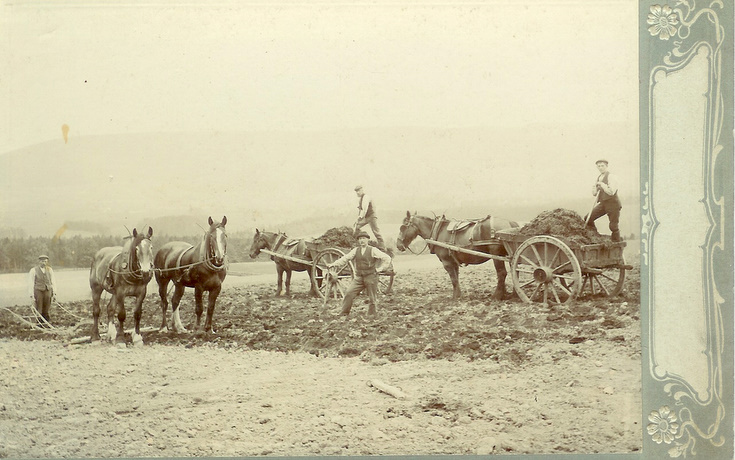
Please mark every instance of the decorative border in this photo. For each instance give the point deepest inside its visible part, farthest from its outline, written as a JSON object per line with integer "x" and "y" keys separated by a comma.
{"x": 678, "y": 419}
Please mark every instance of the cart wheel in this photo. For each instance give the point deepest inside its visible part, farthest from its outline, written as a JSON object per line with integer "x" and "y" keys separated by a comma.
{"x": 603, "y": 282}
{"x": 319, "y": 270}
{"x": 544, "y": 269}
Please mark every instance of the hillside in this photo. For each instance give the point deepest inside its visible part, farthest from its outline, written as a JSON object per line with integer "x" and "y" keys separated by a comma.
{"x": 302, "y": 180}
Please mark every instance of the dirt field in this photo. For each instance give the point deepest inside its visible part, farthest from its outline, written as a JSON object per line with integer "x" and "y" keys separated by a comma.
{"x": 287, "y": 376}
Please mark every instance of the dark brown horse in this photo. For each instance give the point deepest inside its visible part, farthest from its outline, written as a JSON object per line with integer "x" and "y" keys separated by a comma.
{"x": 123, "y": 271}
{"x": 202, "y": 267}
{"x": 281, "y": 244}
{"x": 477, "y": 235}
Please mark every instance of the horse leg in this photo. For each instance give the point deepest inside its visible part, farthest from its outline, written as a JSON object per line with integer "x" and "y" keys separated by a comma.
{"x": 138, "y": 313}
{"x": 96, "y": 294}
{"x": 453, "y": 270}
{"x": 210, "y": 308}
{"x": 163, "y": 293}
{"x": 198, "y": 293}
{"x": 111, "y": 309}
{"x": 288, "y": 281}
{"x": 312, "y": 291}
{"x": 175, "y": 299}
{"x": 121, "y": 321}
{"x": 279, "y": 269}
{"x": 502, "y": 273}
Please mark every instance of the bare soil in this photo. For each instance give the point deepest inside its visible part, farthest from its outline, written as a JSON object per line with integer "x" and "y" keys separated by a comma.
{"x": 288, "y": 376}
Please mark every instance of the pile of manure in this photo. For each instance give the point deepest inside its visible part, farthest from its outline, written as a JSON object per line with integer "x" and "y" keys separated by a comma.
{"x": 341, "y": 237}
{"x": 565, "y": 224}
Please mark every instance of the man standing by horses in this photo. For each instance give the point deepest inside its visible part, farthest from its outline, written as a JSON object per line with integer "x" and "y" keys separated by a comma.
{"x": 606, "y": 190}
{"x": 366, "y": 216}
{"x": 42, "y": 286}
{"x": 369, "y": 261}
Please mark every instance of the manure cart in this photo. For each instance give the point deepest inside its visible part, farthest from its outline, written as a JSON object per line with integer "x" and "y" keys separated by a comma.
{"x": 554, "y": 270}
{"x": 332, "y": 283}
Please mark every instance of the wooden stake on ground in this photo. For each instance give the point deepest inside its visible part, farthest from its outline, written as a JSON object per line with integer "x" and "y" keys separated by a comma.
{"x": 387, "y": 389}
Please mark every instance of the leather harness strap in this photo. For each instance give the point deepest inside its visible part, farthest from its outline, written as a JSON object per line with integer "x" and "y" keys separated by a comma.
{"x": 178, "y": 262}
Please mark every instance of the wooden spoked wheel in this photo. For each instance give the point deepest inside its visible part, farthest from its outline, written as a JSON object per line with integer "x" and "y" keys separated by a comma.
{"x": 544, "y": 269}
{"x": 338, "y": 282}
{"x": 602, "y": 282}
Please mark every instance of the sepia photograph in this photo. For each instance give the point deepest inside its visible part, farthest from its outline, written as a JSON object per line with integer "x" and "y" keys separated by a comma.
{"x": 384, "y": 228}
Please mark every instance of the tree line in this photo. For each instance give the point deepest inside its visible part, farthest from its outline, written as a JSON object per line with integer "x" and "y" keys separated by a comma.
{"x": 20, "y": 254}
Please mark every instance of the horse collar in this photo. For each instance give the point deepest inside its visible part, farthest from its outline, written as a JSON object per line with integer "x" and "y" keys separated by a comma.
{"x": 280, "y": 238}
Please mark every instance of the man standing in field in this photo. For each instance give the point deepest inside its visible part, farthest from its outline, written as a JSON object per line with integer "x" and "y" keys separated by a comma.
{"x": 42, "y": 286}
{"x": 369, "y": 261}
{"x": 606, "y": 190}
{"x": 366, "y": 216}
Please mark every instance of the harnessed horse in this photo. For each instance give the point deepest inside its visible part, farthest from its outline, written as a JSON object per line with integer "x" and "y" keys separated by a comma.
{"x": 202, "y": 267}
{"x": 279, "y": 243}
{"x": 479, "y": 235}
{"x": 123, "y": 271}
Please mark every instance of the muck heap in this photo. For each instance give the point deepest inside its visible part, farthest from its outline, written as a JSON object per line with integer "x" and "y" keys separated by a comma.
{"x": 564, "y": 224}
{"x": 341, "y": 237}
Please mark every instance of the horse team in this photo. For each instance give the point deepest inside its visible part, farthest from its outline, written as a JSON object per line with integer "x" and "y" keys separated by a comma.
{"x": 125, "y": 271}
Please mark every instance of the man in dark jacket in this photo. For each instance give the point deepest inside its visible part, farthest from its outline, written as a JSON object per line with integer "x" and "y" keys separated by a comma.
{"x": 42, "y": 286}
{"x": 606, "y": 190}
{"x": 369, "y": 260}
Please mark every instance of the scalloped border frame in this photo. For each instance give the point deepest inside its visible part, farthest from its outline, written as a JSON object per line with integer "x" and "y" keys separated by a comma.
{"x": 677, "y": 424}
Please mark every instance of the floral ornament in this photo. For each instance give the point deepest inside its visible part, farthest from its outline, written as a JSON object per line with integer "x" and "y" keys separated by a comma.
{"x": 662, "y": 20}
{"x": 662, "y": 426}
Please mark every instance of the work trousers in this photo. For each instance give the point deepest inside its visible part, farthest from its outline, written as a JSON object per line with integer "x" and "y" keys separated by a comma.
{"x": 373, "y": 222}
{"x": 43, "y": 301}
{"x": 359, "y": 283}
{"x": 612, "y": 209}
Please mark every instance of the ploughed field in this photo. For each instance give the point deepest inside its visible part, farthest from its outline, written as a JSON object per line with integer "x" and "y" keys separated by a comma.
{"x": 289, "y": 376}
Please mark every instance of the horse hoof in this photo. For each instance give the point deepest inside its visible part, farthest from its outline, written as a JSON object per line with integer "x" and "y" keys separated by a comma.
{"x": 137, "y": 340}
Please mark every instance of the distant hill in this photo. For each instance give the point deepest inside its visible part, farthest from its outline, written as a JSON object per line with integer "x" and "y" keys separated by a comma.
{"x": 301, "y": 182}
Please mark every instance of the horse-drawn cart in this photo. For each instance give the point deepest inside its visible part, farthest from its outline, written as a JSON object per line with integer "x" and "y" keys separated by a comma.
{"x": 335, "y": 283}
{"x": 553, "y": 269}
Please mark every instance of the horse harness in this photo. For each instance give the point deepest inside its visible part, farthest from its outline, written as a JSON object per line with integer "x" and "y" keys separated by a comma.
{"x": 129, "y": 275}
{"x": 187, "y": 268}
{"x": 458, "y": 227}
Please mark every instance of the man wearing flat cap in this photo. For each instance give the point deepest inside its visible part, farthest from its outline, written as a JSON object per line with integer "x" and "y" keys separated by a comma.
{"x": 606, "y": 190}
{"x": 369, "y": 261}
{"x": 42, "y": 286}
{"x": 366, "y": 216}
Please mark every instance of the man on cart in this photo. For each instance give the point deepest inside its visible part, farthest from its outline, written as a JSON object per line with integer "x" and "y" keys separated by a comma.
{"x": 606, "y": 190}
{"x": 366, "y": 216}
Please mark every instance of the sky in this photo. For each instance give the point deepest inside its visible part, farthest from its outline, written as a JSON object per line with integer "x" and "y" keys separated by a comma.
{"x": 208, "y": 67}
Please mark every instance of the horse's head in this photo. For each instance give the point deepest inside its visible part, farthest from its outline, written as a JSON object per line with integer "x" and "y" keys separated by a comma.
{"x": 260, "y": 241}
{"x": 407, "y": 233}
{"x": 142, "y": 252}
{"x": 216, "y": 240}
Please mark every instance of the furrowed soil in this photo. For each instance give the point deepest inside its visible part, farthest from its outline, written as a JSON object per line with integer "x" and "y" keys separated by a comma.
{"x": 288, "y": 376}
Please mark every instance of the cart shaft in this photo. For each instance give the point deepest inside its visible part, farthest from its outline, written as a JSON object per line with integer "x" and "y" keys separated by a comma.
{"x": 283, "y": 256}
{"x": 467, "y": 251}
